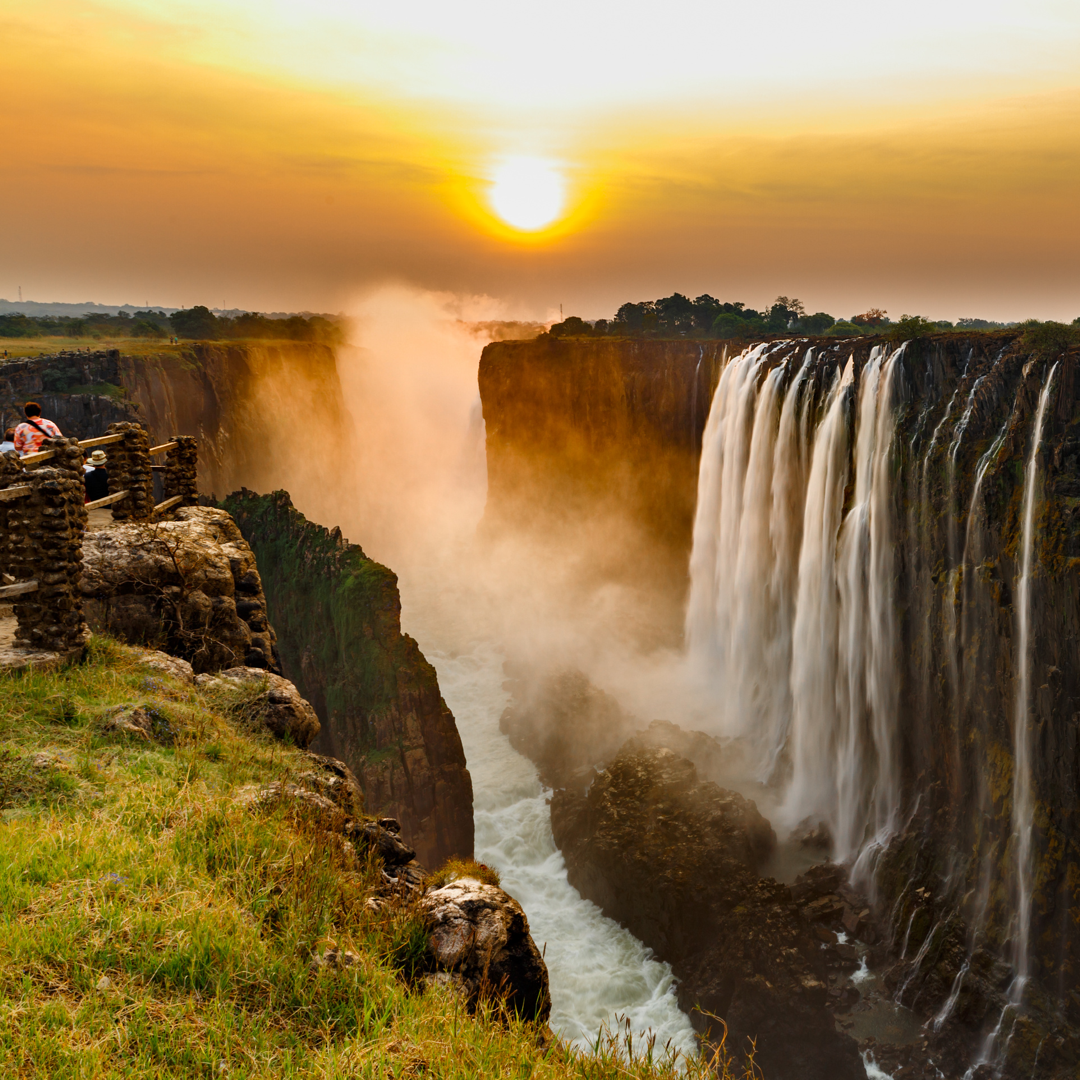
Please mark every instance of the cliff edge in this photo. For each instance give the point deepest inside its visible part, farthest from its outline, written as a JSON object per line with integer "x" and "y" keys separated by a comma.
{"x": 337, "y": 615}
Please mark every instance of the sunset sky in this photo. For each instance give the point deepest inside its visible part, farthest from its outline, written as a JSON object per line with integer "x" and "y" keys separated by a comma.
{"x": 922, "y": 157}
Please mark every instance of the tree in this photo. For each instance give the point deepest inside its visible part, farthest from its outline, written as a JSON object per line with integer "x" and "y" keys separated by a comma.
{"x": 196, "y": 322}
{"x": 571, "y": 327}
{"x": 817, "y": 323}
{"x": 873, "y": 317}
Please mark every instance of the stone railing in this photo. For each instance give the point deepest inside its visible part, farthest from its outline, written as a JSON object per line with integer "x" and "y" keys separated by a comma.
{"x": 43, "y": 516}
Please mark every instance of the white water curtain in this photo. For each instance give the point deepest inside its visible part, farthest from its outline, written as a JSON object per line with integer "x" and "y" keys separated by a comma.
{"x": 791, "y": 601}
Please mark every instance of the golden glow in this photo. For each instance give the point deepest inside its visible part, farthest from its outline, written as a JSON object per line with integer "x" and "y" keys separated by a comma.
{"x": 528, "y": 193}
{"x": 160, "y": 161}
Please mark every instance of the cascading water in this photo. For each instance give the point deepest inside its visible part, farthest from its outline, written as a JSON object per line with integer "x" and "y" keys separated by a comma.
{"x": 791, "y": 599}
{"x": 1023, "y": 800}
{"x": 843, "y": 577}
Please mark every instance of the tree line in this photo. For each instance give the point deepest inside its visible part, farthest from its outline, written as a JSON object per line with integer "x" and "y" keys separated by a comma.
{"x": 707, "y": 317}
{"x": 196, "y": 323}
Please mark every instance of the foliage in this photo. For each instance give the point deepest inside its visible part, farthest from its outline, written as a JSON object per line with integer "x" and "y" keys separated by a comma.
{"x": 911, "y": 326}
{"x": 1049, "y": 337}
{"x": 192, "y": 323}
{"x": 151, "y": 925}
{"x": 455, "y": 868}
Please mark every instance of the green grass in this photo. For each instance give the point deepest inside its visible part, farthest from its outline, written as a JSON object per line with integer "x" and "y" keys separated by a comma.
{"x": 151, "y": 926}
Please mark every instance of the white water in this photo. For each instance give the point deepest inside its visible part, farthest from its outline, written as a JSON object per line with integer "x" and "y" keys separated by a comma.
{"x": 599, "y": 973}
{"x": 1023, "y": 800}
{"x": 791, "y": 601}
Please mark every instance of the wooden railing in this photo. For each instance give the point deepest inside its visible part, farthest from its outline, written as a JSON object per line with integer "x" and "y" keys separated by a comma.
{"x": 86, "y": 444}
{"x": 54, "y": 514}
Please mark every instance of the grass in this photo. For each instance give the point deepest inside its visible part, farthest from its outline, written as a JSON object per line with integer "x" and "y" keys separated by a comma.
{"x": 151, "y": 926}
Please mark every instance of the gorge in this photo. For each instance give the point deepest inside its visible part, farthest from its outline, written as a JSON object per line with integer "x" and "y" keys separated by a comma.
{"x": 874, "y": 548}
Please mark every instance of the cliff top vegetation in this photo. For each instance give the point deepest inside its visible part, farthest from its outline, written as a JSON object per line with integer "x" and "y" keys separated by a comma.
{"x": 707, "y": 317}
{"x": 154, "y": 926}
{"x": 191, "y": 324}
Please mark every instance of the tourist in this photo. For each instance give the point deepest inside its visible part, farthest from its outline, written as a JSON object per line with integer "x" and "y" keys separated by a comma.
{"x": 97, "y": 479}
{"x": 30, "y": 434}
{"x": 9, "y": 441}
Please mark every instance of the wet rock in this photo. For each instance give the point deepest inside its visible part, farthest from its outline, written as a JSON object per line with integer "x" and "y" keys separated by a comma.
{"x": 563, "y": 724}
{"x": 479, "y": 934}
{"x": 675, "y": 860}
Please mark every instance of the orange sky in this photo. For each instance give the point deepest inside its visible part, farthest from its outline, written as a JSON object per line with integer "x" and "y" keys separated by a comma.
{"x": 284, "y": 156}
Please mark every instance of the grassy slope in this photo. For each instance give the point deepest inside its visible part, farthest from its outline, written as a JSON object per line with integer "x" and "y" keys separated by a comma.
{"x": 151, "y": 927}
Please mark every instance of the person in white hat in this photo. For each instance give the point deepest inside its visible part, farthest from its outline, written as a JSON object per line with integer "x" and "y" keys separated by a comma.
{"x": 97, "y": 479}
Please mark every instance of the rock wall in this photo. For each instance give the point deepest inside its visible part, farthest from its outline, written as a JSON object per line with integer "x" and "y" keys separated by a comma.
{"x": 948, "y": 887}
{"x": 338, "y": 619}
{"x": 593, "y": 444}
{"x": 265, "y": 414}
{"x": 188, "y": 585}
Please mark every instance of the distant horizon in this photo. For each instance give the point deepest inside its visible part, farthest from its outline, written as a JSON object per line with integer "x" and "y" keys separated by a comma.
{"x": 303, "y": 156}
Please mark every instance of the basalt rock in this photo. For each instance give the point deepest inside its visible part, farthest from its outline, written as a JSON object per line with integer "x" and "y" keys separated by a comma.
{"x": 480, "y": 935}
{"x": 564, "y": 724}
{"x": 190, "y": 585}
{"x": 675, "y": 860}
{"x": 337, "y": 615}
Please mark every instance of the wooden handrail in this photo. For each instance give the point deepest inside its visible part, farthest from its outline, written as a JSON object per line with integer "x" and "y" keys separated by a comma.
{"x": 35, "y": 459}
{"x": 15, "y": 492}
{"x": 167, "y": 503}
{"x": 107, "y": 501}
{"x": 18, "y": 589}
{"x": 163, "y": 448}
{"x": 101, "y": 440}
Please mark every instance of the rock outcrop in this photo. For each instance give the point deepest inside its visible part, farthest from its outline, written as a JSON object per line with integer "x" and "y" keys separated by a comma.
{"x": 271, "y": 704}
{"x": 479, "y": 934}
{"x": 338, "y": 620}
{"x": 675, "y": 860}
{"x": 190, "y": 584}
{"x": 564, "y": 724}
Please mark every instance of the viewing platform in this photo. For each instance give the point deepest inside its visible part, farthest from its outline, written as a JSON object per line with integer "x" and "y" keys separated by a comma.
{"x": 43, "y": 517}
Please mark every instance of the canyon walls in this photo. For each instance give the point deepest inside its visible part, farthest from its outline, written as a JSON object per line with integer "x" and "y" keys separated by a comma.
{"x": 592, "y": 445}
{"x": 337, "y": 615}
{"x": 885, "y": 593}
{"x": 267, "y": 414}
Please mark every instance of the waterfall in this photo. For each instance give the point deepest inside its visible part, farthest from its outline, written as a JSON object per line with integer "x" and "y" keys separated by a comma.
{"x": 792, "y": 580}
{"x": 1023, "y": 799}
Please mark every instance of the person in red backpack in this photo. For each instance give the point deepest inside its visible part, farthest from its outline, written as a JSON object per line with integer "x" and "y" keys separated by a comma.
{"x": 30, "y": 434}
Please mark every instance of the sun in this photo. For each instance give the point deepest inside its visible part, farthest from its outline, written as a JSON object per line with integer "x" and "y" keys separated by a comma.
{"x": 528, "y": 193}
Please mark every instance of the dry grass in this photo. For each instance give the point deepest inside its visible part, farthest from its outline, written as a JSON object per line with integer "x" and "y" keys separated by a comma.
{"x": 152, "y": 927}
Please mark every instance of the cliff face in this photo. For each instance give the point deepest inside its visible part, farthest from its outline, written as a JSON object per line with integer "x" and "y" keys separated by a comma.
{"x": 980, "y": 882}
{"x": 246, "y": 402}
{"x": 337, "y": 615}
{"x": 594, "y": 443}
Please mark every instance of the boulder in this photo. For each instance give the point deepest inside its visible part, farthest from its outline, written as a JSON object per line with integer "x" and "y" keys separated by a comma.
{"x": 190, "y": 585}
{"x": 479, "y": 934}
{"x": 279, "y": 708}
{"x": 165, "y": 664}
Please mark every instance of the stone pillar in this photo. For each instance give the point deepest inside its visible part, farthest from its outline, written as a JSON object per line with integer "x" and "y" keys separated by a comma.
{"x": 129, "y": 470}
{"x": 181, "y": 471}
{"x": 45, "y": 532}
{"x": 11, "y": 475}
